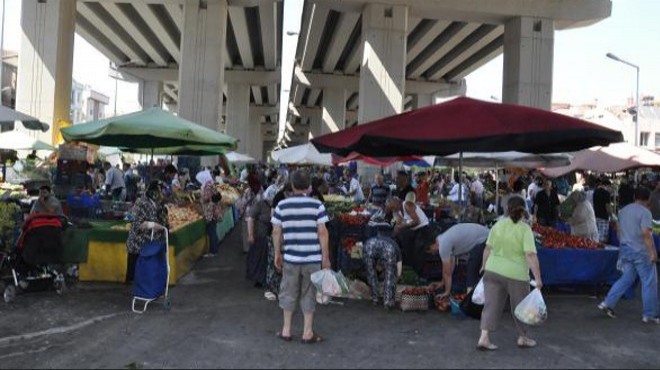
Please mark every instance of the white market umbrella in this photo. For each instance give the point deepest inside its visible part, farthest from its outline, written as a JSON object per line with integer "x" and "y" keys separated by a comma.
{"x": 302, "y": 154}
{"x": 16, "y": 140}
{"x": 612, "y": 158}
{"x": 238, "y": 157}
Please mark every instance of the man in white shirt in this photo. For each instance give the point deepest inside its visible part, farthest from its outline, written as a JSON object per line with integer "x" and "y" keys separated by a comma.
{"x": 532, "y": 189}
{"x": 354, "y": 188}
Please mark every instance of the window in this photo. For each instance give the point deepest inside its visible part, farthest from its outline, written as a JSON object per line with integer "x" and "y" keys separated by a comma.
{"x": 644, "y": 139}
{"x": 657, "y": 140}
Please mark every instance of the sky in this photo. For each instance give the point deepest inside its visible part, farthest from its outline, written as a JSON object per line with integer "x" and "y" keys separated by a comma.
{"x": 582, "y": 73}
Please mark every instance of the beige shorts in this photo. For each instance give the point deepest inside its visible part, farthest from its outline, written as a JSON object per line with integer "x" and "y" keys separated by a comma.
{"x": 297, "y": 287}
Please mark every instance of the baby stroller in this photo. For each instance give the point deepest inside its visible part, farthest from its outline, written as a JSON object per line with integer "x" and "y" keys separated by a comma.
{"x": 35, "y": 262}
{"x": 152, "y": 273}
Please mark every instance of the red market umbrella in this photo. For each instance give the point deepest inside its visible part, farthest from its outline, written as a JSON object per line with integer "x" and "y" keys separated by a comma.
{"x": 468, "y": 125}
{"x": 379, "y": 161}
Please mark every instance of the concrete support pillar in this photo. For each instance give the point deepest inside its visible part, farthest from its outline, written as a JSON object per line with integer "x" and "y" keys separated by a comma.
{"x": 528, "y": 53}
{"x": 238, "y": 114}
{"x": 334, "y": 110}
{"x": 46, "y": 62}
{"x": 316, "y": 124}
{"x": 201, "y": 71}
{"x": 256, "y": 141}
{"x": 383, "y": 70}
{"x": 150, "y": 94}
{"x": 423, "y": 100}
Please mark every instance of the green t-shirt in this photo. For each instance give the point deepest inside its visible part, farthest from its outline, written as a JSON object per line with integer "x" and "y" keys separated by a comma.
{"x": 509, "y": 242}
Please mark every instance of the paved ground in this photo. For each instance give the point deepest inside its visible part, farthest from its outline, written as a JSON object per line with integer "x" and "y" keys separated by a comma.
{"x": 219, "y": 320}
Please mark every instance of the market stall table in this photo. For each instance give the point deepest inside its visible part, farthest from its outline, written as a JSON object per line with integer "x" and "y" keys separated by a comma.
{"x": 578, "y": 266}
{"x": 101, "y": 249}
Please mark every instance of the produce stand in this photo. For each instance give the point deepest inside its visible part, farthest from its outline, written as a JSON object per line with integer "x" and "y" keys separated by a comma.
{"x": 101, "y": 249}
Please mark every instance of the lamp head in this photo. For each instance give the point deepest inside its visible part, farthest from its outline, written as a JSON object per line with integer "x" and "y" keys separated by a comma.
{"x": 612, "y": 56}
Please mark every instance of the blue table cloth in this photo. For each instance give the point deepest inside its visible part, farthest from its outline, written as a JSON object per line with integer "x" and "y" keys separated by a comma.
{"x": 578, "y": 266}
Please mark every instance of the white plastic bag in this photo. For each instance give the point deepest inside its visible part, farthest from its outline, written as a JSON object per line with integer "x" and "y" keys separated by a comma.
{"x": 479, "y": 297}
{"x": 532, "y": 310}
{"x": 327, "y": 283}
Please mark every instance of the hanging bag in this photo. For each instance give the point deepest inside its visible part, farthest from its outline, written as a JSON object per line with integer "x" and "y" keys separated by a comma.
{"x": 532, "y": 310}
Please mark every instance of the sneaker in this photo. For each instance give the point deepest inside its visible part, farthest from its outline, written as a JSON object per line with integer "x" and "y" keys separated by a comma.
{"x": 651, "y": 320}
{"x": 608, "y": 311}
{"x": 270, "y": 296}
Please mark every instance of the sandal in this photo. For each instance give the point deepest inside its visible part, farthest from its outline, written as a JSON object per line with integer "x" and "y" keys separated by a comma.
{"x": 526, "y": 343}
{"x": 284, "y": 338}
{"x": 486, "y": 347}
{"x": 314, "y": 339}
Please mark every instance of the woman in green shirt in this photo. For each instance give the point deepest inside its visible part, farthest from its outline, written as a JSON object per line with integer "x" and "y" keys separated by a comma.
{"x": 510, "y": 254}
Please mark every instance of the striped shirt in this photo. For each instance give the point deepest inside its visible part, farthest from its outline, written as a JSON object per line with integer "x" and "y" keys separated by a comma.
{"x": 299, "y": 217}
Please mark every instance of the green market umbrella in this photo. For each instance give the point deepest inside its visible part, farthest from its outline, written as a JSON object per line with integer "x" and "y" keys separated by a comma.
{"x": 152, "y": 128}
{"x": 192, "y": 150}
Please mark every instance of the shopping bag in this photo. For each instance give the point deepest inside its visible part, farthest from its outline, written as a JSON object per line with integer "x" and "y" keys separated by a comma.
{"x": 479, "y": 297}
{"x": 327, "y": 283}
{"x": 532, "y": 310}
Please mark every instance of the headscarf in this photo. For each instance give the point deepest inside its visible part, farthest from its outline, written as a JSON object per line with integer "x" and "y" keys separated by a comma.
{"x": 254, "y": 183}
{"x": 154, "y": 190}
{"x": 204, "y": 177}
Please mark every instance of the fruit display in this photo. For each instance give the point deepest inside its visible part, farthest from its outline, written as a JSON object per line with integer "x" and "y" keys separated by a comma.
{"x": 229, "y": 194}
{"x": 555, "y": 239}
{"x": 12, "y": 191}
{"x": 353, "y": 219}
{"x": 180, "y": 216}
{"x": 348, "y": 244}
{"x": 336, "y": 207}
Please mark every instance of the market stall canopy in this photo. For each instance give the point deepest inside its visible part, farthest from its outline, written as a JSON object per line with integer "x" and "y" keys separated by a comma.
{"x": 16, "y": 140}
{"x": 192, "y": 150}
{"x": 302, "y": 154}
{"x": 239, "y": 158}
{"x": 506, "y": 159}
{"x": 612, "y": 158}
{"x": 465, "y": 124}
{"x": 9, "y": 117}
{"x": 150, "y": 128}
{"x": 376, "y": 161}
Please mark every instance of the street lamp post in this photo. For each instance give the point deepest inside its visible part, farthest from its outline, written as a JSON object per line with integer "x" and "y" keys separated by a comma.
{"x": 638, "y": 112}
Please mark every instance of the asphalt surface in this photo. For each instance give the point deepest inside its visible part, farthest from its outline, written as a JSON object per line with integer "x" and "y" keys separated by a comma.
{"x": 218, "y": 319}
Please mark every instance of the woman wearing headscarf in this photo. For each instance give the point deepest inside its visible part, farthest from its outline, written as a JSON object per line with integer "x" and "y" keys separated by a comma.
{"x": 148, "y": 212}
{"x": 583, "y": 219}
{"x": 382, "y": 256}
{"x": 259, "y": 230}
{"x": 250, "y": 196}
{"x": 211, "y": 208}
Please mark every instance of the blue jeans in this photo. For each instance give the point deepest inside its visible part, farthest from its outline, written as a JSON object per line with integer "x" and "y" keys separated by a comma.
{"x": 212, "y": 232}
{"x": 636, "y": 263}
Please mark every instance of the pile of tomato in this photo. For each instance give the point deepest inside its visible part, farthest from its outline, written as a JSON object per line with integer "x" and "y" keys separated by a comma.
{"x": 348, "y": 243}
{"x": 416, "y": 291}
{"x": 353, "y": 220}
{"x": 555, "y": 239}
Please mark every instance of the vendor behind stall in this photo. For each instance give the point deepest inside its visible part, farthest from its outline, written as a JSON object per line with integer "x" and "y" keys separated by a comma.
{"x": 458, "y": 240}
{"x": 412, "y": 231}
{"x": 114, "y": 182}
{"x": 382, "y": 254}
{"x": 47, "y": 203}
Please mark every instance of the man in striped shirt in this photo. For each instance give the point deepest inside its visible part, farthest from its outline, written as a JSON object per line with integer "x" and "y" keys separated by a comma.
{"x": 300, "y": 241}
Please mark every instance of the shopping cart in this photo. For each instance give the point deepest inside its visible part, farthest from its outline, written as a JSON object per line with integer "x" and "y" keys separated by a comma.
{"x": 152, "y": 273}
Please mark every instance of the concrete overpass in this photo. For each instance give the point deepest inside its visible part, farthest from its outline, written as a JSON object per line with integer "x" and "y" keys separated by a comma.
{"x": 218, "y": 62}
{"x": 418, "y": 50}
